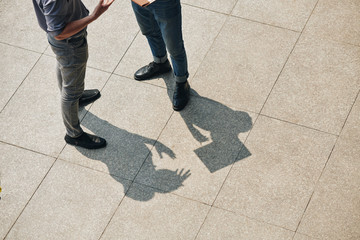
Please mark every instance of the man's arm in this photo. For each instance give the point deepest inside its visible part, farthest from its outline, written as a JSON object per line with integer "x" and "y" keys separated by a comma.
{"x": 74, "y": 27}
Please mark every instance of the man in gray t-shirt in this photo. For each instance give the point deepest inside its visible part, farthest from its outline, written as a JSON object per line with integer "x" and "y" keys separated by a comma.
{"x": 65, "y": 23}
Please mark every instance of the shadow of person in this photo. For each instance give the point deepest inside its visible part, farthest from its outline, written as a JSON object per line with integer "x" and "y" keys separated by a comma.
{"x": 221, "y": 146}
{"x": 126, "y": 153}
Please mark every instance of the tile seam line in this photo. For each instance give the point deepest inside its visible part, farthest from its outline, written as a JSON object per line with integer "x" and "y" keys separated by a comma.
{"x": 266, "y": 24}
{"x": 27, "y": 149}
{"x": 315, "y": 186}
{"x": 352, "y": 106}
{"x": 122, "y": 57}
{"x": 23, "y": 48}
{"x": 91, "y": 67}
{"x": 287, "y": 59}
{"x": 325, "y": 165}
{"x": 227, "y": 16}
{"x": 281, "y": 71}
{"x": 93, "y": 169}
{"x": 22, "y": 82}
{"x": 191, "y": 94}
{"x": 32, "y": 195}
{"x": 336, "y": 41}
{"x": 205, "y": 9}
{"x": 299, "y": 125}
{"x": 315, "y": 238}
{"x": 148, "y": 82}
{"x": 127, "y": 49}
{"x": 254, "y": 219}
{"x": 132, "y": 182}
{"x": 173, "y": 194}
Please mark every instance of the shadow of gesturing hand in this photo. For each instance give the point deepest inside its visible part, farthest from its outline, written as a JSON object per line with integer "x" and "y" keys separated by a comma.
{"x": 173, "y": 180}
{"x": 126, "y": 153}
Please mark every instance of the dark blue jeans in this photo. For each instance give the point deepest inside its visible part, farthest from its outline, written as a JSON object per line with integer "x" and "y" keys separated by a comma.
{"x": 160, "y": 22}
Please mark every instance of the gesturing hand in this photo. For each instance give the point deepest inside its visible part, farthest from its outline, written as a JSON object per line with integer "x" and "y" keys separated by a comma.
{"x": 161, "y": 148}
{"x": 102, "y": 6}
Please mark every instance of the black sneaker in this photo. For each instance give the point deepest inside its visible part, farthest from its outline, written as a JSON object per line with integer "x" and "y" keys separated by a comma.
{"x": 86, "y": 141}
{"x": 152, "y": 69}
{"x": 181, "y": 95}
{"x": 89, "y": 96}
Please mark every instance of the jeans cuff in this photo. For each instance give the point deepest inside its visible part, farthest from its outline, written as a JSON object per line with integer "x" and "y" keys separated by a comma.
{"x": 74, "y": 134}
{"x": 181, "y": 79}
{"x": 160, "y": 59}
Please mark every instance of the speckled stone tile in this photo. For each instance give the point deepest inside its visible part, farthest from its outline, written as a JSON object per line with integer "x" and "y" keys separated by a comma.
{"x": 200, "y": 27}
{"x": 334, "y": 211}
{"x": 146, "y": 213}
{"x": 299, "y": 236}
{"x": 221, "y": 224}
{"x": 130, "y": 116}
{"x": 275, "y": 183}
{"x": 73, "y": 202}
{"x": 223, "y": 6}
{"x": 244, "y": 63}
{"x": 336, "y": 19}
{"x": 110, "y": 35}
{"x": 318, "y": 85}
{"x": 32, "y": 119}
{"x": 287, "y": 14}
{"x": 202, "y": 141}
{"x": 21, "y": 172}
{"x": 19, "y": 26}
{"x": 15, "y": 64}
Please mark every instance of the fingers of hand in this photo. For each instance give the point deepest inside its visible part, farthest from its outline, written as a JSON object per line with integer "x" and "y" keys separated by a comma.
{"x": 106, "y": 3}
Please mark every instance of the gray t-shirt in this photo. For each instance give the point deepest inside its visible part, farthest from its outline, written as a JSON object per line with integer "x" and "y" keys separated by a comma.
{"x": 53, "y": 15}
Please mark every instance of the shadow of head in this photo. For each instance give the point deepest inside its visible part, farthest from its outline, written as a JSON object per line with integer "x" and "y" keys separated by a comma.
{"x": 216, "y": 127}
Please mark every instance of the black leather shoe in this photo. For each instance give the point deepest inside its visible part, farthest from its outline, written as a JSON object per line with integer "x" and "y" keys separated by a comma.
{"x": 89, "y": 96}
{"x": 181, "y": 95}
{"x": 152, "y": 69}
{"x": 86, "y": 141}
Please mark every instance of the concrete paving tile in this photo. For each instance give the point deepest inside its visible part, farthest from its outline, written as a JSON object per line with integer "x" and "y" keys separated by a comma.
{"x": 110, "y": 35}
{"x": 287, "y": 14}
{"x": 318, "y": 85}
{"x": 15, "y": 64}
{"x": 336, "y": 19}
{"x": 21, "y": 172}
{"x": 204, "y": 139}
{"x": 138, "y": 55}
{"x": 200, "y": 28}
{"x": 32, "y": 119}
{"x": 299, "y": 236}
{"x": 73, "y": 202}
{"x": 148, "y": 214}
{"x": 221, "y": 224}
{"x": 334, "y": 211}
{"x": 243, "y": 64}
{"x": 19, "y": 26}
{"x": 275, "y": 183}
{"x": 223, "y": 6}
{"x": 130, "y": 116}
{"x": 49, "y": 52}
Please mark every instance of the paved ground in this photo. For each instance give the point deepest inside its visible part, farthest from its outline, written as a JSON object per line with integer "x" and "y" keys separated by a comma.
{"x": 268, "y": 147}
